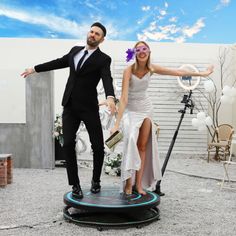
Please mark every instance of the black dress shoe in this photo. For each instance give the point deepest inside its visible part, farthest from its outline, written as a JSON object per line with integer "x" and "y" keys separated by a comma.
{"x": 77, "y": 191}
{"x": 95, "y": 187}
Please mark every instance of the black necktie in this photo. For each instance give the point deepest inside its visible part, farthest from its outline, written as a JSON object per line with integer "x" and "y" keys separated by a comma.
{"x": 81, "y": 60}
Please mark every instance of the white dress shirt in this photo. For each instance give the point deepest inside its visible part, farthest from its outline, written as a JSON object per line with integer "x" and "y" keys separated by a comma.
{"x": 78, "y": 56}
{"x": 81, "y": 53}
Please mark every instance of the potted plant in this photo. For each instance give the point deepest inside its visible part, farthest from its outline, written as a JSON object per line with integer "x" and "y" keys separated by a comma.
{"x": 58, "y": 135}
{"x": 112, "y": 164}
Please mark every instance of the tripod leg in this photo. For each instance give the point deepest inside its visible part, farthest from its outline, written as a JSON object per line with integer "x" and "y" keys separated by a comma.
{"x": 158, "y": 189}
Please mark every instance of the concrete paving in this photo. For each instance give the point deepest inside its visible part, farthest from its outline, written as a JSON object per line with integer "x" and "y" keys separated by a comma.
{"x": 193, "y": 204}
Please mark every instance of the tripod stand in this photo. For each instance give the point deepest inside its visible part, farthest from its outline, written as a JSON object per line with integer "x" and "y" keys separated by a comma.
{"x": 188, "y": 104}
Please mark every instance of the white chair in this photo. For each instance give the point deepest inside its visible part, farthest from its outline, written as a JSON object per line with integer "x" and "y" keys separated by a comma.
{"x": 227, "y": 163}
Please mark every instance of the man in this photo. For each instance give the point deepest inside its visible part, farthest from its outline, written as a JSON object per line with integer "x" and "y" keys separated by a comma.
{"x": 87, "y": 66}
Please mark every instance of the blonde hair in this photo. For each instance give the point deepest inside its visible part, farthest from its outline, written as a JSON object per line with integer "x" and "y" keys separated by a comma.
{"x": 148, "y": 64}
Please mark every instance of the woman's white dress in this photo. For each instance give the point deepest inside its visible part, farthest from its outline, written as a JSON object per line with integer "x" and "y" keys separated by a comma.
{"x": 138, "y": 108}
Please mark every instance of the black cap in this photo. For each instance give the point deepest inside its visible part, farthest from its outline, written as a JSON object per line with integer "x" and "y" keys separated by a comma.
{"x": 102, "y": 27}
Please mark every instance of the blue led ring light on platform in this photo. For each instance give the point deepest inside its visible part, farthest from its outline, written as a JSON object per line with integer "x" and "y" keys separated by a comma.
{"x": 110, "y": 208}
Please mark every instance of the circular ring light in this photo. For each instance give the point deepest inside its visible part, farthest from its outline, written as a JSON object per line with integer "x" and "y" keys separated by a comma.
{"x": 187, "y": 82}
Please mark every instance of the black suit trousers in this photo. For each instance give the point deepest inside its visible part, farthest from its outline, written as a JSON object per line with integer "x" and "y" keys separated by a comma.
{"x": 71, "y": 119}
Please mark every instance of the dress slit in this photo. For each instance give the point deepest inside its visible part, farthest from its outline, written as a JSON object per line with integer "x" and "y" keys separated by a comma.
{"x": 139, "y": 108}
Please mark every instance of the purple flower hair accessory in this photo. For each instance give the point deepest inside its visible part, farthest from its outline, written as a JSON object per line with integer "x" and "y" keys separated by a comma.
{"x": 130, "y": 54}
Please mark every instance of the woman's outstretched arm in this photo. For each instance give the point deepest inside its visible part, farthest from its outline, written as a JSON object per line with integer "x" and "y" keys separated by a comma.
{"x": 180, "y": 72}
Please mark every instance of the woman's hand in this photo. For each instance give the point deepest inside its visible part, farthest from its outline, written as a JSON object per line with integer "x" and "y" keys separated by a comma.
{"x": 208, "y": 71}
{"x": 113, "y": 130}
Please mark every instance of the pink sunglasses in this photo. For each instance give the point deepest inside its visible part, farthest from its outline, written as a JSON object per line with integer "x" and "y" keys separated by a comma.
{"x": 140, "y": 49}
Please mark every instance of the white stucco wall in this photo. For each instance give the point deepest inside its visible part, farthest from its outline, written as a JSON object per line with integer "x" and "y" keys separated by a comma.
{"x": 18, "y": 54}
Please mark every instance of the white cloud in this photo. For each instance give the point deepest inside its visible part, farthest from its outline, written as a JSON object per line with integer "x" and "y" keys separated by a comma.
{"x": 55, "y": 24}
{"x": 225, "y": 2}
{"x": 221, "y": 4}
{"x": 182, "y": 11}
{"x": 142, "y": 37}
{"x": 146, "y": 8}
{"x": 160, "y": 18}
{"x": 142, "y": 20}
{"x": 180, "y": 39}
{"x": 91, "y": 5}
{"x": 111, "y": 5}
{"x": 162, "y": 12}
{"x": 171, "y": 32}
{"x": 169, "y": 29}
{"x": 190, "y": 31}
{"x": 173, "y": 19}
{"x": 112, "y": 32}
{"x": 152, "y": 26}
{"x": 156, "y": 36}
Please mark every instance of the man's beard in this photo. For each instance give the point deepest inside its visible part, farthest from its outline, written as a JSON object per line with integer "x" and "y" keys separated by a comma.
{"x": 92, "y": 43}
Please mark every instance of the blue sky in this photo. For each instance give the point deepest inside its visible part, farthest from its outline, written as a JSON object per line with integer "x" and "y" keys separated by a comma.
{"x": 195, "y": 21}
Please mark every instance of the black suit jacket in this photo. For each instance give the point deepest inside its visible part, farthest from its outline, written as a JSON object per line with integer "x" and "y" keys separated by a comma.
{"x": 81, "y": 85}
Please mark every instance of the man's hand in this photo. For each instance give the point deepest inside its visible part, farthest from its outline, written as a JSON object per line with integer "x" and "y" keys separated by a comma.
{"x": 103, "y": 103}
{"x": 111, "y": 105}
{"x": 27, "y": 72}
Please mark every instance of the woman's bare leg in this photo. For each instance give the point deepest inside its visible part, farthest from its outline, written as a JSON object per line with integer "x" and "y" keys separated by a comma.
{"x": 144, "y": 133}
{"x": 128, "y": 186}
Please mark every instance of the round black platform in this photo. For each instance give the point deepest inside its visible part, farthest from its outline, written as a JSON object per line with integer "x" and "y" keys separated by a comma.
{"x": 111, "y": 200}
{"x": 109, "y": 208}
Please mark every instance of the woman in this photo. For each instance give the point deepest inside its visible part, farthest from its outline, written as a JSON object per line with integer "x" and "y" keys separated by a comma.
{"x": 140, "y": 165}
